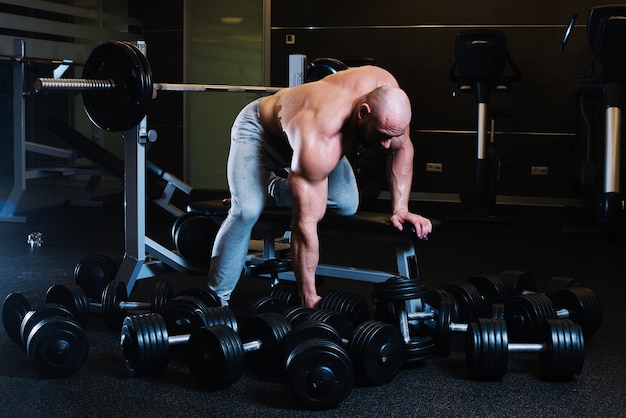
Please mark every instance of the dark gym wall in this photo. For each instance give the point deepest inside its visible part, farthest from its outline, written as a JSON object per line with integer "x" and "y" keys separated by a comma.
{"x": 163, "y": 33}
{"x": 535, "y": 121}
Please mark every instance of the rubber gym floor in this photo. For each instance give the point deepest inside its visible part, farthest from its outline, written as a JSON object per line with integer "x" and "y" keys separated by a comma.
{"x": 534, "y": 241}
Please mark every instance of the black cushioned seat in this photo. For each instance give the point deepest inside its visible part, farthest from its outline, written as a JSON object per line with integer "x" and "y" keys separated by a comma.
{"x": 362, "y": 221}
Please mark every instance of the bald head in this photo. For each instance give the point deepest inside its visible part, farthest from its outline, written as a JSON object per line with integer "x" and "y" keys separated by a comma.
{"x": 390, "y": 106}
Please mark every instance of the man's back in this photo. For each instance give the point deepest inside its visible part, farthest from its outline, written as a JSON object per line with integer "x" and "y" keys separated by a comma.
{"x": 325, "y": 105}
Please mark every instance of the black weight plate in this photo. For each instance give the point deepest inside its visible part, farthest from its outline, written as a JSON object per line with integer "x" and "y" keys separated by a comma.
{"x": 582, "y": 305}
{"x": 297, "y": 314}
{"x": 389, "y": 312}
{"x": 215, "y": 356}
{"x": 320, "y": 374}
{"x": 125, "y": 106}
{"x": 307, "y": 330}
{"x": 338, "y": 320}
{"x": 194, "y": 237}
{"x": 144, "y": 343}
{"x": 491, "y": 288}
{"x": 443, "y": 333}
{"x": 180, "y": 312}
{"x": 15, "y": 307}
{"x": 497, "y": 311}
{"x": 207, "y": 296}
{"x": 486, "y": 350}
{"x": 266, "y": 304}
{"x": 525, "y": 314}
{"x": 398, "y": 288}
{"x": 517, "y": 282}
{"x": 94, "y": 272}
{"x": 32, "y": 318}
{"x": 71, "y": 296}
{"x": 469, "y": 302}
{"x": 209, "y": 316}
{"x": 270, "y": 329}
{"x": 114, "y": 293}
{"x": 377, "y": 352}
{"x": 271, "y": 266}
{"x": 57, "y": 347}
{"x": 443, "y": 306}
{"x": 564, "y": 352}
{"x": 418, "y": 349}
{"x": 162, "y": 293}
{"x": 559, "y": 282}
{"x": 352, "y": 304}
{"x": 286, "y": 291}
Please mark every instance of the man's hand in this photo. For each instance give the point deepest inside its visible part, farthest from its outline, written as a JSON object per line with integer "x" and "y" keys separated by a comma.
{"x": 422, "y": 225}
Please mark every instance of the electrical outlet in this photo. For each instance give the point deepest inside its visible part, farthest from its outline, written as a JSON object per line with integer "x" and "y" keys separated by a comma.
{"x": 538, "y": 170}
{"x": 290, "y": 39}
{"x": 434, "y": 167}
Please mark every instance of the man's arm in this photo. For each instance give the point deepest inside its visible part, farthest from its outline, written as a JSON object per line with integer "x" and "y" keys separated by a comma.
{"x": 400, "y": 176}
{"x": 315, "y": 154}
{"x": 309, "y": 205}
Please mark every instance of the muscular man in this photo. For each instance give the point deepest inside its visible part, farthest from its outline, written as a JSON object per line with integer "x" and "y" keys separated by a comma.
{"x": 308, "y": 129}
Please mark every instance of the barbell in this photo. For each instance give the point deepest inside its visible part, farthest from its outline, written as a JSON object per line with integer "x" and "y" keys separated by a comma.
{"x": 117, "y": 86}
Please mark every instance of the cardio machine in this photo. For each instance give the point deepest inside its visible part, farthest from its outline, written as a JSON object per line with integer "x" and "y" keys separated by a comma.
{"x": 479, "y": 64}
{"x": 606, "y": 34}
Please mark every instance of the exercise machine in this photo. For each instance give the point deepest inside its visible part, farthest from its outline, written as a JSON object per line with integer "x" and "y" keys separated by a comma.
{"x": 606, "y": 33}
{"x": 479, "y": 64}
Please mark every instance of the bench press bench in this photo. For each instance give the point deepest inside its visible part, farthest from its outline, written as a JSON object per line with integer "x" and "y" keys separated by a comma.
{"x": 274, "y": 222}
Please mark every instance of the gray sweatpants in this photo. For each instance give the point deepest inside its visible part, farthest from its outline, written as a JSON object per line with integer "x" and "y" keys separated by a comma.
{"x": 251, "y": 161}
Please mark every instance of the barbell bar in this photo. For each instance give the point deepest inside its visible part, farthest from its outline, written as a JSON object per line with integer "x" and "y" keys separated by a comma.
{"x": 117, "y": 86}
{"x": 44, "y": 84}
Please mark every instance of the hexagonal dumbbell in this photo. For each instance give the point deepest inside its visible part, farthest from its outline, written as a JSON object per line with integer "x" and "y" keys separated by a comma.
{"x": 561, "y": 352}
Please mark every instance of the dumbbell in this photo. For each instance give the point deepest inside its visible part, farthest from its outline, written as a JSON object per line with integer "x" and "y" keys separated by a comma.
{"x": 525, "y": 313}
{"x": 561, "y": 354}
{"x": 437, "y": 312}
{"x": 215, "y": 354}
{"x": 393, "y": 299}
{"x": 319, "y": 373}
{"x": 375, "y": 348}
{"x": 55, "y": 343}
{"x": 115, "y": 305}
{"x": 145, "y": 340}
